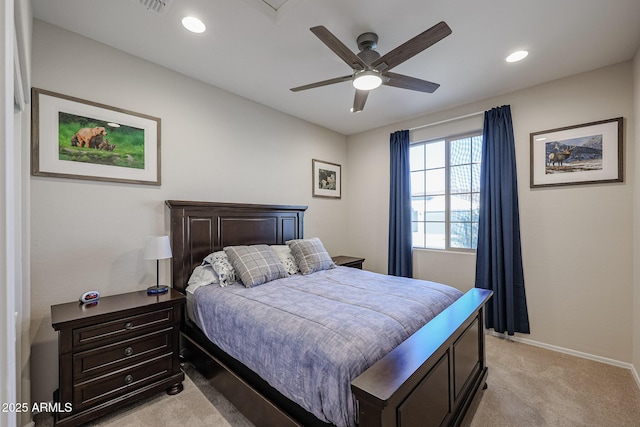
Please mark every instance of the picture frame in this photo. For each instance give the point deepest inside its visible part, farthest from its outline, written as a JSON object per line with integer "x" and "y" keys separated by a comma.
{"x": 327, "y": 179}
{"x": 589, "y": 153}
{"x": 80, "y": 139}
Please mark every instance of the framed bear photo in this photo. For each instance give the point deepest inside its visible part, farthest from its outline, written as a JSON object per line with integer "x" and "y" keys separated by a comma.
{"x": 80, "y": 139}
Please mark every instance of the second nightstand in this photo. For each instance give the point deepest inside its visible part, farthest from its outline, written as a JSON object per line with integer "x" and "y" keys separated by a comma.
{"x": 348, "y": 261}
{"x": 120, "y": 349}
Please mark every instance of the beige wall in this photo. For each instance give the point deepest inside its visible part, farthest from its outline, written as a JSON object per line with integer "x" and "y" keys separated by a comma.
{"x": 215, "y": 147}
{"x": 576, "y": 241}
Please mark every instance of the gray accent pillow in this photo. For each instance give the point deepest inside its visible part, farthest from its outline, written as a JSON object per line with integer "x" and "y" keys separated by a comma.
{"x": 256, "y": 264}
{"x": 310, "y": 255}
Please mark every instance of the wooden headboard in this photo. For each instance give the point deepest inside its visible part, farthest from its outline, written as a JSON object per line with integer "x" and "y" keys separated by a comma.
{"x": 199, "y": 228}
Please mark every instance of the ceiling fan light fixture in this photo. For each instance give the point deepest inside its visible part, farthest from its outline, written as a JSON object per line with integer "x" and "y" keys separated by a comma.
{"x": 367, "y": 80}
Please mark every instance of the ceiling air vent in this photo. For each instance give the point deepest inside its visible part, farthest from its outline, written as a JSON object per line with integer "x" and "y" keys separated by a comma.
{"x": 275, "y": 4}
{"x": 157, "y": 6}
{"x": 278, "y": 10}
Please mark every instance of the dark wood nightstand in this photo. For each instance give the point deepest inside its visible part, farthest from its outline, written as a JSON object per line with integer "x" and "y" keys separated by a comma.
{"x": 348, "y": 261}
{"x": 123, "y": 348}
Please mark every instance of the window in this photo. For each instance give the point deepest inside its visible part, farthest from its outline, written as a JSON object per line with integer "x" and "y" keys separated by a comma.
{"x": 445, "y": 192}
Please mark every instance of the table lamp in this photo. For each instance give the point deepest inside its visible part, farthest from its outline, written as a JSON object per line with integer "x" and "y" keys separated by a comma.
{"x": 157, "y": 247}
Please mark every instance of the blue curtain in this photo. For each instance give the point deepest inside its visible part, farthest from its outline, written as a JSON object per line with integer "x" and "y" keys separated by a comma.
{"x": 400, "y": 263}
{"x": 499, "y": 257}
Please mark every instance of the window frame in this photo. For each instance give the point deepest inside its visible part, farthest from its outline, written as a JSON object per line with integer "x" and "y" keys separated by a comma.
{"x": 447, "y": 186}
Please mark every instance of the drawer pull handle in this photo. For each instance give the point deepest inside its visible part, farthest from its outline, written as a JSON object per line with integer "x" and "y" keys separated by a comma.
{"x": 128, "y": 325}
{"x": 128, "y": 351}
{"x": 128, "y": 379}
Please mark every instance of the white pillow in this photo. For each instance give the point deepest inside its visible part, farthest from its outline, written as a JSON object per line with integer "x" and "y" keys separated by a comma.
{"x": 283, "y": 252}
{"x": 202, "y": 275}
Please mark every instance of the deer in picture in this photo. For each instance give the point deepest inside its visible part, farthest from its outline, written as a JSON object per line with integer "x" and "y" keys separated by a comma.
{"x": 560, "y": 157}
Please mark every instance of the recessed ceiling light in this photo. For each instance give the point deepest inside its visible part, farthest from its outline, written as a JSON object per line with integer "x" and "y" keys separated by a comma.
{"x": 517, "y": 56}
{"x": 193, "y": 24}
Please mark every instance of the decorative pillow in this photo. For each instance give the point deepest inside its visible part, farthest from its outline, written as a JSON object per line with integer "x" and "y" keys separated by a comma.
{"x": 310, "y": 255}
{"x": 212, "y": 257}
{"x": 202, "y": 275}
{"x": 222, "y": 267}
{"x": 255, "y": 264}
{"x": 283, "y": 252}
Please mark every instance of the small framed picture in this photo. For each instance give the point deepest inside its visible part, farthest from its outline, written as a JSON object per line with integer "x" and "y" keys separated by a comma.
{"x": 590, "y": 153}
{"x": 327, "y": 180}
{"x": 80, "y": 139}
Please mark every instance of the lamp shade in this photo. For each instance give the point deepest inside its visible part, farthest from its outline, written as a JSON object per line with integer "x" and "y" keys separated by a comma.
{"x": 157, "y": 247}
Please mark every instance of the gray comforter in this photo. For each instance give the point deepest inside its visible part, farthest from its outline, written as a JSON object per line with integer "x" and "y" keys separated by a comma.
{"x": 310, "y": 336}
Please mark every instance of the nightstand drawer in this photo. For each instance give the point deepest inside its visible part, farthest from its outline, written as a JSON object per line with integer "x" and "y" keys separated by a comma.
{"x": 107, "y": 387}
{"x": 117, "y": 329}
{"x": 114, "y": 356}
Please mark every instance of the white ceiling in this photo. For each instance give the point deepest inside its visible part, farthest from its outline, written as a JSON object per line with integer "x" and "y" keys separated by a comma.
{"x": 259, "y": 53}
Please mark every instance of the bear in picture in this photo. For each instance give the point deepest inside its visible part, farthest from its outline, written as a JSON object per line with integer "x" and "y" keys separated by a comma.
{"x": 83, "y": 137}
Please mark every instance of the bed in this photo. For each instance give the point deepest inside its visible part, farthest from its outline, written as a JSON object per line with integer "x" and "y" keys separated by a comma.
{"x": 430, "y": 378}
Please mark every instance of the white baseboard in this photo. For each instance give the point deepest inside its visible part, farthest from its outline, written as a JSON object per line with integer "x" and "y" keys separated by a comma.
{"x": 588, "y": 356}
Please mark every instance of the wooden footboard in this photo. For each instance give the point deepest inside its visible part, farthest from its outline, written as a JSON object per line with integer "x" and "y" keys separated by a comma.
{"x": 432, "y": 377}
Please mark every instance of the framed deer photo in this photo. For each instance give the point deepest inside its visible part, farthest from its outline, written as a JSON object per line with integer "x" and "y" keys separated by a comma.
{"x": 590, "y": 153}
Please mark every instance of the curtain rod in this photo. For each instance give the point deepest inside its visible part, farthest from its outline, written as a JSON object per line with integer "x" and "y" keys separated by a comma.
{"x": 477, "y": 113}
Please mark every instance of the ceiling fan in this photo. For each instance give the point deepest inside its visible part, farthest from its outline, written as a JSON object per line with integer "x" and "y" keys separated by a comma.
{"x": 370, "y": 70}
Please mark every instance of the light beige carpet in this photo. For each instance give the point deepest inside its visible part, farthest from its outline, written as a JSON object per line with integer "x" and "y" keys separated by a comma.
{"x": 531, "y": 386}
{"x": 528, "y": 386}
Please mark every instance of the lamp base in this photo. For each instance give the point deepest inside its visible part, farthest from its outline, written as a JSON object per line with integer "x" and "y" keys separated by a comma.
{"x": 156, "y": 290}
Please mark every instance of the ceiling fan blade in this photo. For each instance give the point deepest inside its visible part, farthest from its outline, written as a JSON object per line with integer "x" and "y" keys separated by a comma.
{"x": 411, "y": 83}
{"x": 359, "y": 100}
{"x": 339, "y": 48}
{"x": 412, "y": 47}
{"x": 322, "y": 83}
